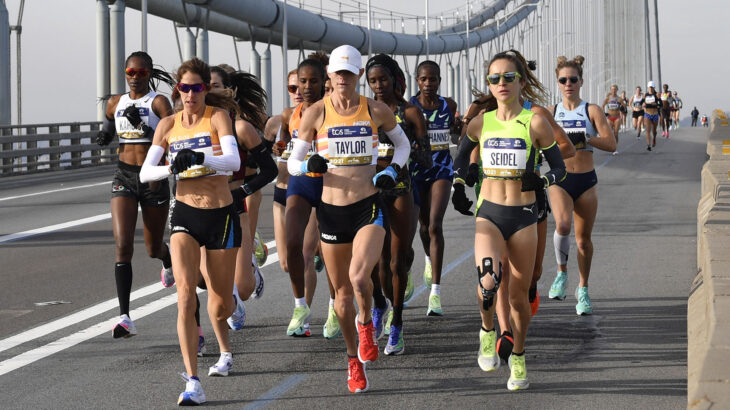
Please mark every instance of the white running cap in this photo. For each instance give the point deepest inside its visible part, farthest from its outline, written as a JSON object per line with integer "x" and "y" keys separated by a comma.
{"x": 345, "y": 58}
{"x": 650, "y": 84}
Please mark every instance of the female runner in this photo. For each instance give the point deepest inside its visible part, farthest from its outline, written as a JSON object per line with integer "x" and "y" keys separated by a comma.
{"x": 576, "y": 197}
{"x": 613, "y": 104}
{"x": 637, "y": 113}
{"x": 134, "y": 117}
{"x": 651, "y": 115}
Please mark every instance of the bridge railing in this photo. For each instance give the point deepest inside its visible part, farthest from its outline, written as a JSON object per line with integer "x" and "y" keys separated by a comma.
{"x": 34, "y": 148}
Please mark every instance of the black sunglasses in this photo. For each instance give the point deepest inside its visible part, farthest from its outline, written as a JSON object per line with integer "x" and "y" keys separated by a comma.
{"x": 573, "y": 79}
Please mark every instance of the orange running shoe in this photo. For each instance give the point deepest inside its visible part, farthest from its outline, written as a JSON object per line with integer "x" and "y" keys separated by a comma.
{"x": 357, "y": 378}
{"x": 367, "y": 350}
{"x": 534, "y": 302}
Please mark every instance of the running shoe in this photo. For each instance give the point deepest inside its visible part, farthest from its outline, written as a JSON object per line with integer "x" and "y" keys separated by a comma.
{"x": 648, "y": 148}
{"x": 357, "y": 377}
{"x": 193, "y": 394}
{"x": 166, "y": 276}
{"x": 261, "y": 250}
{"x": 221, "y": 368}
{"x": 395, "y": 344}
{"x": 331, "y": 328}
{"x": 259, "y": 277}
{"x": 306, "y": 328}
{"x": 238, "y": 318}
{"x": 427, "y": 275}
{"x": 386, "y": 329}
{"x": 557, "y": 289}
{"x": 298, "y": 318}
{"x": 505, "y": 343}
{"x": 125, "y": 328}
{"x": 379, "y": 318}
{"x": 201, "y": 346}
{"x": 584, "y": 306}
{"x": 367, "y": 349}
{"x": 518, "y": 373}
{"x": 318, "y": 263}
{"x": 434, "y": 306}
{"x": 534, "y": 299}
{"x": 488, "y": 359}
{"x": 409, "y": 288}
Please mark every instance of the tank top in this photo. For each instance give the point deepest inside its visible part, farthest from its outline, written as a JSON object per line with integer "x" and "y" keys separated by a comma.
{"x": 347, "y": 141}
{"x": 294, "y": 121}
{"x": 438, "y": 122}
{"x": 386, "y": 149}
{"x": 650, "y": 100}
{"x": 126, "y": 132}
{"x": 506, "y": 148}
{"x": 638, "y": 100}
{"x": 576, "y": 121}
{"x": 200, "y": 138}
{"x": 613, "y": 104}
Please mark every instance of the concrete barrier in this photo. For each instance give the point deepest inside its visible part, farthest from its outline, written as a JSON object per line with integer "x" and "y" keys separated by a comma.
{"x": 708, "y": 309}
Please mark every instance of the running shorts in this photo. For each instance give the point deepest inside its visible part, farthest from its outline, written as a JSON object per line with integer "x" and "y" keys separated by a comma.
{"x": 508, "y": 219}
{"x": 576, "y": 184}
{"x": 340, "y": 224}
{"x": 280, "y": 195}
{"x": 652, "y": 117}
{"x": 637, "y": 114}
{"x": 309, "y": 188}
{"x": 443, "y": 168}
{"x": 126, "y": 183}
{"x": 217, "y": 228}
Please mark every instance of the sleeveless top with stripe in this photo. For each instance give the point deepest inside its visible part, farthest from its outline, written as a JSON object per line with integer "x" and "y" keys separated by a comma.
{"x": 294, "y": 121}
{"x": 576, "y": 121}
{"x": 126, "y": 132}
{"x": 200, "y": 138}
{"x": 506, "y": 147}
{"x": 347, "y": 140}
{"x": 438, "y": 122}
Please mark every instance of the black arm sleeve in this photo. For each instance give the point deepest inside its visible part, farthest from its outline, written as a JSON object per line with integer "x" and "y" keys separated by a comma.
{"x": 557, "y": 171}
{"x": 461, "y": 163}
{"x": 268, "y": 170}
{"x": 109, "y": 126}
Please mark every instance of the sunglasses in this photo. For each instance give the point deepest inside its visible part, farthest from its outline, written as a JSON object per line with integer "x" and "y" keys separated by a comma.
{"x": 133, "y": 72}
{"x": 186, "y": 88}
{"x": 292, "y": 88}
{"x": 510, "y": 77}
{"x": 573, "y": 79}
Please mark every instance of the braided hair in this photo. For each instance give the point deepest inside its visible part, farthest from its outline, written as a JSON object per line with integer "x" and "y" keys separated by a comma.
{"x": 392, "y": 67}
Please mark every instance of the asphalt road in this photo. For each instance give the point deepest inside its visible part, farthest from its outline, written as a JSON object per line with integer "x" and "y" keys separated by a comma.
{"x": 630, "y": 354}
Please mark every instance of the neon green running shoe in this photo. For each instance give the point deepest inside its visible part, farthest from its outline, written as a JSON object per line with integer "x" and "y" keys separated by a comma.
{"x": 557, "y": 289}
{"x": 261, "y": 250}
{"x": 584, "y": 306}
{"x": 427, "y": 275}
{"x": 518, "y": 373}
{"x": 296, "y": 326}
{"x": 409, "y": 288}
{"x": 388, "y": 322}
{"x": 488, "y": 359}
{"x": 434, "y": 306}
{"x": 331, "y": 328}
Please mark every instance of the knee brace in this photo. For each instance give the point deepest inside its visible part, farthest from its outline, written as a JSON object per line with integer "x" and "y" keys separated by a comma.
{"x": 487, "y": 268}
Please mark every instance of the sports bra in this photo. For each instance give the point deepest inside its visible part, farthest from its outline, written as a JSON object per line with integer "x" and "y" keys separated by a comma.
{"x": 506, "y": 147}
{"x": 199, "y": 138}
{"x": 347, "y": 140}
{"x": 126, "y": 132}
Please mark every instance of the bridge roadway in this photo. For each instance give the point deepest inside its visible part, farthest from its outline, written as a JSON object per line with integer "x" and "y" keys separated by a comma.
{"x": 630, "y": 354}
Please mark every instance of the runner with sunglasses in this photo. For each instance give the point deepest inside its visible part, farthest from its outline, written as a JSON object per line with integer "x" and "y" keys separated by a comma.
{"x": 506, "y": 215}
{"x": 637, "y": 113}
{"x": 432, "y": 186}
{"x": 613, "y": 104}
{"x": 203, "y": 154}
{"x": 651, "y": 115}
{"x": 352, "y": 220}
{"x": 133, "y": 117}
{"x": 576, "y": 196}
{"x": 387, "y": 82}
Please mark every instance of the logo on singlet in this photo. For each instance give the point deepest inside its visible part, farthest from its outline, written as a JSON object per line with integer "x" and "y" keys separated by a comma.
{"x": 524, "y": 124}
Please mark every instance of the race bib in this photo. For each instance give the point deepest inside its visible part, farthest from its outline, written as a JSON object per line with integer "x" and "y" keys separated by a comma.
{"x": 350, "y": 145}
{"x": 125, "y": 129}
{"x": 613, "y": 106}
{"x": 201, "y": 142}
{"x": 504, "y": 157}
{"x": 576, "y": 132}
{"x": 385, "y": 150}
{"x": 439, "y": 139}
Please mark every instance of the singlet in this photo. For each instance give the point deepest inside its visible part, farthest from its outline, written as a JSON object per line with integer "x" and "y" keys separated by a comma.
{"x": 126, "y": 132}
{"x": 294, "y": 122}
{"x": 281, "y": 158}
{"x": 638, "y": 100}
{"x": 613, "y": 104}
{"x": 438, "y": 122}
{"x": 506, "y": 148}
{"x": 200, "y": 138}
{"x": 665, "y": 96}
{"x": 576, "y": 121}
{"x": 347, "y": 141}
{"x": 650, "y": 101}
{"x": 386, "y": 149}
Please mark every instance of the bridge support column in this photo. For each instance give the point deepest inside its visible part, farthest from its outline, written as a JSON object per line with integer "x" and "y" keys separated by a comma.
{"x": 102, "y": 57}
{"x": 202, "y": 45}
{"x": 116, "y": 51}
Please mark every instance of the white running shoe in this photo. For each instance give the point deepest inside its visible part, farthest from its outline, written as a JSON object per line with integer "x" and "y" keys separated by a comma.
{"x": 193, "y": 394}
{"x": 238, "y": 318}
{"x": 224, "y": 364}
{"x": 259, "y": 291}
{"x": 125, "y": 328}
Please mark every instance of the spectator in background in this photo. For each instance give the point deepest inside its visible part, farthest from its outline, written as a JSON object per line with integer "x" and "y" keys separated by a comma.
{"x": 695, "y": 113}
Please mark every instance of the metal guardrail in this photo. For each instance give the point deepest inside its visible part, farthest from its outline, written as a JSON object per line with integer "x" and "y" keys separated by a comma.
{"x": 27, "y": 149}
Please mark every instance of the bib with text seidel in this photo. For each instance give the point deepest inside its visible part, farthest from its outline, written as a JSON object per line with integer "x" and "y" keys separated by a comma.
{"x": 575, "y": 130}
{"x": 504, "y": 157}
{"x": 201, "y": 142}
{"x": 351, "y": 145}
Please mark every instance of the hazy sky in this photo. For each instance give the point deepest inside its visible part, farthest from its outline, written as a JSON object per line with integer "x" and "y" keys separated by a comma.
{"x": 59, "y": 53}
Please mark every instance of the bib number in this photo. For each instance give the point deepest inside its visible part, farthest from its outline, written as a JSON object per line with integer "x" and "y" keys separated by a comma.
{"x": 439, "y": 139}
{"x": 576, "y": 132}
{"x": 200, "y": 143}
{"x": 504, "y": 157}
{"x": 350, "y": 145}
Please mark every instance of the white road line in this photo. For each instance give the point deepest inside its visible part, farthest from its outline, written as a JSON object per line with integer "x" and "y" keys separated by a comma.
{"x": 7, "y": 198}
{"x": 88, "y": 313}
{"x": 39, "y": 231}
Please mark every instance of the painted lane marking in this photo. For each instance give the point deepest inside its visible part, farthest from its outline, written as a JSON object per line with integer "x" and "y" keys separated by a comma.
{"x": 7, "y": 198}
{"x": 52, "y": 228}
{"x": 275, "y": 392}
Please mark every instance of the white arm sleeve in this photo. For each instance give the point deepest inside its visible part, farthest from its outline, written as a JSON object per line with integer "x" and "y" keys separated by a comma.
{"x": 150, "y": 170}
{"x": 298, "y": 153}
{"x": 229, "y": 161}
{"x": 402, "y": 146}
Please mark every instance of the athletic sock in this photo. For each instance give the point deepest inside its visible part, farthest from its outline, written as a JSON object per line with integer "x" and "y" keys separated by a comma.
{"x": 166, "y": 260}
{"x": 123, "y": 277}
{"x": 300, "y": 302}
{"x": 436, "y": 289}
{"x": 486, "y": 329}
{"x": 428, "y": 259}
{"x": 562, "y": 247}
{"x": 518, "y": 354}
{"x": 332, "y": 302}
{"x": 197, "y": 310}
{"x": 379, "y": 299}
{"x": 397, "y": 316}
